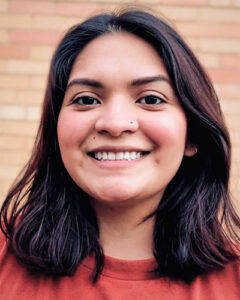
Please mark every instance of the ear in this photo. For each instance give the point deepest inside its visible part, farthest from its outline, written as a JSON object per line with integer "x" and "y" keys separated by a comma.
{"x": 190, "y": 149}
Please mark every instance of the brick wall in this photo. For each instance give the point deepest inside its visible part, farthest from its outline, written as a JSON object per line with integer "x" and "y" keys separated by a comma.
{"x": 29, "y": 30}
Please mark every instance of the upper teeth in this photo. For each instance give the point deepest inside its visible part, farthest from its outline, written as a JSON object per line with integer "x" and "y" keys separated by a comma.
{"x": 117, "y": 155}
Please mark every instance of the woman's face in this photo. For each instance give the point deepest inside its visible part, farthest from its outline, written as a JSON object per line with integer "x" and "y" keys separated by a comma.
{"x": 121, "y": 130}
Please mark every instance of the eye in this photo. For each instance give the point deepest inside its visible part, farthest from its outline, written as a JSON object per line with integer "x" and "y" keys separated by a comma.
{"x": 85, "y": 100}
{"x": 151, "y": 100}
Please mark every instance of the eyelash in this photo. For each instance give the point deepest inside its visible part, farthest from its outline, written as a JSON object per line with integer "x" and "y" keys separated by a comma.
{"x": 160, "y": 100}
{"x": 78, "y": 99}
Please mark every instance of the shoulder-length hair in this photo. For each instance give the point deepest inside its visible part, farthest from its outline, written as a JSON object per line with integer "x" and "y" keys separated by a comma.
{"x": 48, "y": 219}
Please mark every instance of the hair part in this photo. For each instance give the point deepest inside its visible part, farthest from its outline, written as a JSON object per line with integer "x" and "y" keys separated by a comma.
{"x": 48, "y": 218}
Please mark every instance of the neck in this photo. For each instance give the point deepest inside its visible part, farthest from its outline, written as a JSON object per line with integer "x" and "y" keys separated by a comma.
{"x": 122, "y": 235}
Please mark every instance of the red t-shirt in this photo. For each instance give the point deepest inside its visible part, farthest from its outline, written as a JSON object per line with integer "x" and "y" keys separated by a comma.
{"x": 120, "y": 279}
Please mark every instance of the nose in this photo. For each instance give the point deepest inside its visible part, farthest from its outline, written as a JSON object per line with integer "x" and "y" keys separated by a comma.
{"x": 116, "y": 118}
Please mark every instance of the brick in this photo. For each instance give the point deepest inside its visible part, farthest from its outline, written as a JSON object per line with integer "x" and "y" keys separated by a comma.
{"x": 231, "y": 108}
{"x": 234, "y": 183}
{"x": 97, "y": 1}
{"x": 2, "y": 197}
{"x": 29, "y": 97}
{"x": 13, "y": 158}
{"x": 231, "y": 91}
{"x": 84, "y": 9}
{"x": 177, "y": 13}
{"x": 236, "y": 174}
{"x": 236, "y": 154}
{"x": 8, "y": 96}
{"x": 235, "y": 130}
{"x": 28, "y": 128}
{"x": 219, "y": 15}
{"x": 35, "y": 37}
{"x": 3, "y": 65}
{"x": 8, "y": 172}
{"x": 27, "y": 67}
{"x": 235, "y": 135}
{"x": 232, "y": 120}
{"x": 14, "y": 81}
{"x": 31, "y": 7}
{"x": 13, "y": 51}
{"x": 108, "y": 4}
{"x": 39, "y": 82}
{"x": 209, "y": 60}
{"x": 215, "y": 86}
{"x": 33, "y": 113}
{"x": 219, "y": 45}
{"x": 15, "y": 21}
{"x": 183, "y": 2}
{"x": 12, "y": 112}
{"x": 206, "y": 29}
{"x": 236, "y": 151}
{"x": 235, "y": 171}
{"x": 220, "y": 2}
{"x": 3, "y": 6}
{"x": 235, "y": 195}
{"x": 235, "y": 189}
{"x": 224, "y": 76}
{"x": 228, "y": 118}
{"x": 230, "y": 61}
{"x": 4, "y": 186}
{"x": 54, "y": 22}
{"x": 15, "y": 142}
{"x": 41, "y": 52}
{"x": 236, "y": 3}
{"x": 192, "y": 42}
{"x": 3, "y": 36}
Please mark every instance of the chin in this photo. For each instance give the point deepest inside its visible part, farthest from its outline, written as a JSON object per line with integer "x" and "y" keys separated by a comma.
{"x": 112, "y": 194}
{"x": 109, "y": 189}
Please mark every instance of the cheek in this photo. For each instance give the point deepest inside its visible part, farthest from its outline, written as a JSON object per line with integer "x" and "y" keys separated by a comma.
{"x": 167, "y": 130}
{"x": 71, "y": 129}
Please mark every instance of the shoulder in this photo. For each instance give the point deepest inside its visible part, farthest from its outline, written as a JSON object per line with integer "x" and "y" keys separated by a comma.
{"x": 223, "y": 281}
{"x": 3, "y": 246}
{"x": 8, "y": 262}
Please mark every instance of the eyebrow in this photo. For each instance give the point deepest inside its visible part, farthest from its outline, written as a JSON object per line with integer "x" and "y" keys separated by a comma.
{"x": 136, "y": 82}
{"x": 85, "y": 81}
{"x": 146, "y": 80}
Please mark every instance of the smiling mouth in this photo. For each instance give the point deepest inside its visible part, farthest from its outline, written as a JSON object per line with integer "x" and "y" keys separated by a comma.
{"x": 117, "y": 156}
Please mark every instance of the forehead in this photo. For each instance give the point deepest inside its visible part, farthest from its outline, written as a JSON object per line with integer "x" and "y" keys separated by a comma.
{"x": 118, "y": 55}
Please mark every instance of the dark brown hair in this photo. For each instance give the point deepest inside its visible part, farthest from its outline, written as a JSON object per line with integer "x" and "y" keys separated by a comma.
{"x": 48, "y": 219}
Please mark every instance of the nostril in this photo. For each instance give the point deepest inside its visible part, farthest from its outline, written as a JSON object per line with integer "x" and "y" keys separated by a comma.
{"x": 115, "y": 126}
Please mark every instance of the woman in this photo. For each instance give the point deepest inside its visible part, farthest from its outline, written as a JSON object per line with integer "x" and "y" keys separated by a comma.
{"x": 126, "y": 193}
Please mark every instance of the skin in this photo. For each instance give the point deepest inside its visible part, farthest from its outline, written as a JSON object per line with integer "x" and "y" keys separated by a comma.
{"x": 117, "y": 117}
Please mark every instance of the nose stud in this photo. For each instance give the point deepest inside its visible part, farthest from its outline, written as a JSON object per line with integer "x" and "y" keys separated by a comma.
{"x": 131, "y": 122}
{"x": 196, "y": 149}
